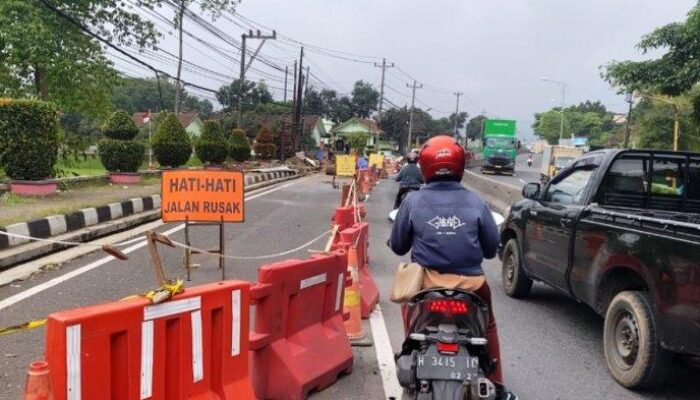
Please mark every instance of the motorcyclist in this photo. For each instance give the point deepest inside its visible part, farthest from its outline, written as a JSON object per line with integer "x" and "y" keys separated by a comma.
{"x": 449, "y": 231}
{"x": 529, "y": 160}
{"x": 409, "y": 178}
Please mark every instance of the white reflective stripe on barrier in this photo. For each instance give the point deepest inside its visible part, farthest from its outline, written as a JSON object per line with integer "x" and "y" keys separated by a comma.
{"x": 197, "y": 346}
{"x": 339, "y": 291}
{"x": 73, "y": 389}
{"x": 171, "y": 308}
{"x": 235, "y": 323}
{"x": 314, "y": 280}
{"x": 146, "y": 359}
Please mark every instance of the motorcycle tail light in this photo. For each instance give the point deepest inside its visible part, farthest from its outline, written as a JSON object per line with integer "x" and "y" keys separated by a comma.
{"x": 452, "y": 348}
{"x": 453, "y": 307}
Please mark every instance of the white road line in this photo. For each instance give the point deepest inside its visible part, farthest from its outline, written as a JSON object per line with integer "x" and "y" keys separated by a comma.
{"x": 521, "y": 180}
{"x": 70, "y": 275}
{"x": 385, "y": 355}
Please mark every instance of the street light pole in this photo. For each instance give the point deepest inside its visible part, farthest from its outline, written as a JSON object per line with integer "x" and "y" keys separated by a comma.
{"x": 676, "y": 119}
{"x": 563, "y": 88}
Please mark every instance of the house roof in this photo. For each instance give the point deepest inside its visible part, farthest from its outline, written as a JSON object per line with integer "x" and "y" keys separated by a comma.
{"x": 371, "y": 125}
{"x": 185, "y": 118}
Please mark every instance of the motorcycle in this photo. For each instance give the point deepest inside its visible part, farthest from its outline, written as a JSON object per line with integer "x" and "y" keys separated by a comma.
{"x": 529, "y": 162}
{"x": 445, "y": 356}
{"x": 392, "y": 213}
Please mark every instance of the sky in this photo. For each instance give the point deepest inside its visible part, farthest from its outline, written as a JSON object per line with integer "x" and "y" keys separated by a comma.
{"x": 494, "y": 51}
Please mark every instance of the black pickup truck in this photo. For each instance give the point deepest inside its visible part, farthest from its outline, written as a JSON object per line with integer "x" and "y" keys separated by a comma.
{"x": 618, "y": 230}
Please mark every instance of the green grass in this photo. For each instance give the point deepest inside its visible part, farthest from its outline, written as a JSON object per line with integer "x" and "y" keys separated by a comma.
{"x": 82, "y": 167}
{"x": 9, "y": 199}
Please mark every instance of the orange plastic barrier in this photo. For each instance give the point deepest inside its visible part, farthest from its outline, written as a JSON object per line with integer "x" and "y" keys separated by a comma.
{"x": 191, "y": 347}
{"x": 299, "y": 342}
{"x": 359, "y": 235}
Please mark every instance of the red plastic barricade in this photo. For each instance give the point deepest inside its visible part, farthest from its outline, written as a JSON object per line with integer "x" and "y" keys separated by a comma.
{"x": 192, "y": 347}
{"x": 299, "y": 342}
{"x": 344, "y": 217}
{"x": 359, "y": 235}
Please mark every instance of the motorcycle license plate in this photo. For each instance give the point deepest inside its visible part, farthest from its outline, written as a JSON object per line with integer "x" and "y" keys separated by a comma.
{"x": 498, "y": 166}
{"x": 453, "y": 368}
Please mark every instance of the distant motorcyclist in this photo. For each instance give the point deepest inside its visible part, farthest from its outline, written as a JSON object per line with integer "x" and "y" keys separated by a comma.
{"x": 409, "y": 178}
{"x": 529, "y": 160}
{"x": 449, "y": 231}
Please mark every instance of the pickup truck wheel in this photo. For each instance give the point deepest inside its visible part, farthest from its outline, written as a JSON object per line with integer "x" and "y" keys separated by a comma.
{"x": 634, "y": 356}
{"x": 515, "y": 282}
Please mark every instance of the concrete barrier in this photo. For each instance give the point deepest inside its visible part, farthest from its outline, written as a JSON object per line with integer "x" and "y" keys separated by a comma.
{"x": 497, "y": 194}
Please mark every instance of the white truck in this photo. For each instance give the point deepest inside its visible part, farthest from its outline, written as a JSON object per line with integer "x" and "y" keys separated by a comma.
{"x": 555, "y": 158}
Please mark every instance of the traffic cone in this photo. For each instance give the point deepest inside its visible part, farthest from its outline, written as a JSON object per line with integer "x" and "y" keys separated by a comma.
{"x": 38, "y": 385}
{"x": 352, "y": 304}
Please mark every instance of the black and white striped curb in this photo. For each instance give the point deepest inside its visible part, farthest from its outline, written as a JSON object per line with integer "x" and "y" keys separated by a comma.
{"x": 58, "y": 224}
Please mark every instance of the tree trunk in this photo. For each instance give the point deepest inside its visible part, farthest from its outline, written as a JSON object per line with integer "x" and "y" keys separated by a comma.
{"x": 178, "y": 84}
{"x": 42, "y": 87}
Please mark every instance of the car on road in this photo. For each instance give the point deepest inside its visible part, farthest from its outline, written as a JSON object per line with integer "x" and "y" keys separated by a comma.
{"x": 618, "y": 230}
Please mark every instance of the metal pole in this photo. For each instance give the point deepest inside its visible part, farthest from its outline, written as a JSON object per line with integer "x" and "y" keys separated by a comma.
{"x": 150, "y": 140}
{"x": 456, "y": 114}
{"x": 241, "y": 82}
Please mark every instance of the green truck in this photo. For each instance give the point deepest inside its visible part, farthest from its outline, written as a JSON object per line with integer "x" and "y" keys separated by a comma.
{"x": 500, "y": 146}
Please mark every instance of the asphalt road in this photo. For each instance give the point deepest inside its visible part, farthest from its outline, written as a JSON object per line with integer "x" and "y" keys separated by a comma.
{"x": 551, "y": 345}
{"x": 523, "y": 173}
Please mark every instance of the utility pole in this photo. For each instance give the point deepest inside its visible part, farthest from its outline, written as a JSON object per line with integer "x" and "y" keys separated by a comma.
{"x": 458, "y": 93}
{"x": 629, "y": 120}
{"x": 413, "y": 104}
{"x": 383, "y": 66}
{"x": 178, "y": 92}
{"x": 286, "y": 72}
{"x": 297, "y": 111}
{"x": 307, "y": 79}
{"x": 241, "y": 78}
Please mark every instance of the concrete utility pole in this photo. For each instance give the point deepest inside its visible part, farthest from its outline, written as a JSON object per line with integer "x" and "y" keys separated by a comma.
{"x": 628, "y": 99}
{"x": 178, "y": 83}
{"x": 383, "y": 66}
{"x": 296, "y": 122}
{"x": 413, "y": 104}
{"x": 286, "y": 72}
{"x": 458, "y": 93}
{"x": 241, "y": 78}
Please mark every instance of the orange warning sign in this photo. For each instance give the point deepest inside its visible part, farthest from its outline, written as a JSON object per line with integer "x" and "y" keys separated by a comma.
{"x": 202, "y": 196}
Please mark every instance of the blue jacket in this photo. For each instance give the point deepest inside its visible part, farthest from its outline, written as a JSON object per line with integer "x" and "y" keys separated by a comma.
{"x": 447, "y": 228}
{"x": 410, "y": 176}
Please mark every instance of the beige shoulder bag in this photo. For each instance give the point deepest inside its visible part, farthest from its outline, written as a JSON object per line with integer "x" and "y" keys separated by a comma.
{"x": 407, "y": 282}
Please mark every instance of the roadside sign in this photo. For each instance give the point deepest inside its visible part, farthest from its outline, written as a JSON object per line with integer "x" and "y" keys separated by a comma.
{"x": 376, "y": 160}
{"x": 345, "y": 165}
{"x": 202, "y": 196}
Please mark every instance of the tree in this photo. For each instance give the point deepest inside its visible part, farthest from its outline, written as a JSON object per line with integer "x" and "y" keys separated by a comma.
{"x": 211, "y": 146}
{"x": 364, "y": 99}
{"x": 139, "y": 95}
{"x": 475, "y": 127}
{"x": 264, "y": 145}
{"x": 313, "y": 103}
{"x": 171, "y": 144}
{"x": 461, "y": 119}
{"x": 548, "y": 125}
{"x": 358, "y": 141}
{"x": 238, "y": 146}
{"x": 395, "y": 124}
{"x": 253, "y": 94}
{"x": 118, "y": 152}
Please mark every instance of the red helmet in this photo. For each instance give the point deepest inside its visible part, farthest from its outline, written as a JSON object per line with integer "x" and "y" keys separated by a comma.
{"x": 442, "y": 156}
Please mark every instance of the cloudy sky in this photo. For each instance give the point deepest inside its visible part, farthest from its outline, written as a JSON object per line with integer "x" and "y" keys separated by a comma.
{"x": 495, "y": 51}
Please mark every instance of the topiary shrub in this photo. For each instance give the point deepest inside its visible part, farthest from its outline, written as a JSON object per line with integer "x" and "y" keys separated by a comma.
{"x": 118, "y": 153}
{"x": 28, "y": 139}
{"x": 238, "y": 146}
{"x": 264, "y": 145}
{"x": 211, "y": 146}
{"x": 121, "y": 155}
{"x": 171, "y": 144}
{"x": 120, "y": 126}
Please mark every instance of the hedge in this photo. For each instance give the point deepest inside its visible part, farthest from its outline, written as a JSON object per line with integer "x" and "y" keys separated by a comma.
{"x": 238, "y": 146}
{"x": 120, "y": 126}
{"x": 121, "y": 155}
{"x": 211, "y": 146}
{"x": 171, "y": 144}
{"x": 28, "y": 139}
{"x": 264, "y": 145}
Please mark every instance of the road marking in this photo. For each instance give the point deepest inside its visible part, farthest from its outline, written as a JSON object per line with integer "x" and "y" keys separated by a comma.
{"x": 521, "y": 180}
{"x": 87, "y": 268}
{"x": 385, "y": 355}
